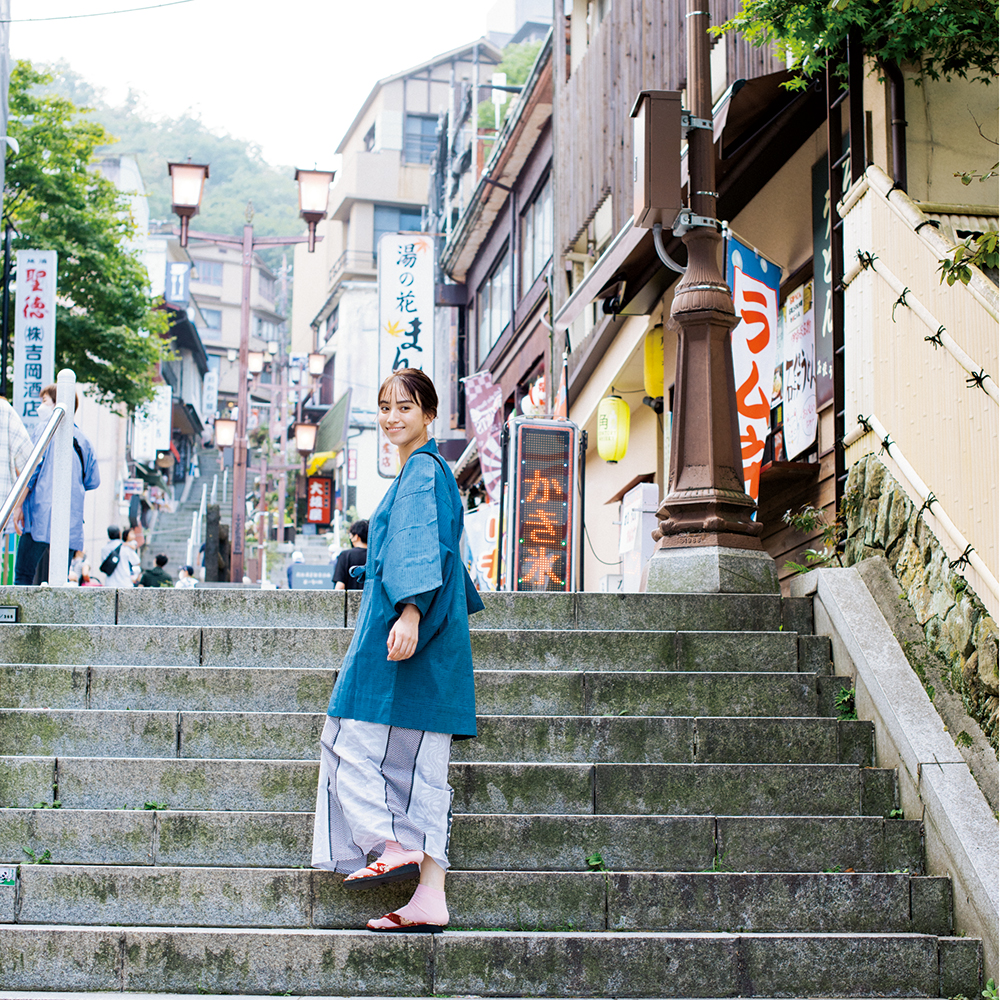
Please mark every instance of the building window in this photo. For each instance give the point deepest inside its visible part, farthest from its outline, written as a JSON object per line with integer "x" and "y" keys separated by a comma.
{"x": 493, "y": 306}
{"x": 213, "y": 318}
{"x": 389, "y": 219}
{"x": 420, "y": 139}
{"x": 208, "y": 272}
{"x": 264, "y": 329}
{"x": 369, "y": 139}
{"x": 265, "y": 285}
{"x": 536, "y": 235}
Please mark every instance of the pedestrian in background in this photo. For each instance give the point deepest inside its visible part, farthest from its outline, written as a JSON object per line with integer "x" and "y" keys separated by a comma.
{"x": 405, "y": 688}
{"x": 356, "y": 555}
{"x": 126, "y": 570}
{"x": 158, "y": 576}
{"x": 186, "y": 578}
{"x": 33, "y": 519}
{"x": 15, "y": 447}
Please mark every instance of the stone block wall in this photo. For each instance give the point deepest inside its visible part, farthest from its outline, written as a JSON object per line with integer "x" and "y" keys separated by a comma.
{"x": 881, "y": 519}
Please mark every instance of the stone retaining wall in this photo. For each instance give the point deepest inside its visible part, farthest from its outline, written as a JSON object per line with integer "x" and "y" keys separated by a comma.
{"x": 881, "y": 519}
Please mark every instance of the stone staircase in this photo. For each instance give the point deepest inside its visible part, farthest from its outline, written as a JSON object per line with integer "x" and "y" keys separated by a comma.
{"x": 159, "y": 755}
{"x": 170, "y": 531}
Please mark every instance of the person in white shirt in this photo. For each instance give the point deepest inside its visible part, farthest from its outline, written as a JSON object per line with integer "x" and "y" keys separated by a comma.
{"x": 128, "y": 569}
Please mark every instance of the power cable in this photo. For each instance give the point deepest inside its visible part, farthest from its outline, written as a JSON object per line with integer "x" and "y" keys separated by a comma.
{"x": 100, "y": 13}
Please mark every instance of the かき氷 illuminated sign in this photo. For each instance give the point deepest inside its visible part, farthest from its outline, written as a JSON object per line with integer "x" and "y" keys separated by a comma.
{"x": 544, "y": 510}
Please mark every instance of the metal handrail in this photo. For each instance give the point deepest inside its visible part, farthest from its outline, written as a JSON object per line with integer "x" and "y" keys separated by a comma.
{"x": 21, "y": 486}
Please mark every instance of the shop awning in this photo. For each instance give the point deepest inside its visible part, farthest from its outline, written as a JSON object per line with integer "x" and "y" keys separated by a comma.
{"x": 317, "y": 460}
{"x": 185, "y": 419}
{"x": 332, "y": 433}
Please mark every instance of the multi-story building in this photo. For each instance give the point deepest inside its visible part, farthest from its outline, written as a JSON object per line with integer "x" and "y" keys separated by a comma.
{"x": 217, "y": 288}
{"x": 381, "y": 188}
{"x": 498, "y": 253}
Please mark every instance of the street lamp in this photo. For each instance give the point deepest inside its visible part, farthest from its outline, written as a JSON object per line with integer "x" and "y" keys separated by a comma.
{"x": 188, "y": 185}
{"x": 317, "y": 364}
{"x": 187, "y": 182}
{"x": 305, "y": 438}
{"x": 225, "y": 432}
{"x": 255, "y": 362}
{"x": 314, "y": 194}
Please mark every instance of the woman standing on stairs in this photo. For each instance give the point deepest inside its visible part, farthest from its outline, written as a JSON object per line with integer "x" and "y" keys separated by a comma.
{"x": 405, "y": 688}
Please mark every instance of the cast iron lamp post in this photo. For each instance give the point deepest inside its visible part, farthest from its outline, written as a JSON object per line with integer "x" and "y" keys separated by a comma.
{"x": 708, "y": 539}
{"x": 188, "y": 183}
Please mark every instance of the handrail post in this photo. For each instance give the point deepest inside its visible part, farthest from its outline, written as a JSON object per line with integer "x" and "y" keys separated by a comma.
{"x": 62, "y": 481}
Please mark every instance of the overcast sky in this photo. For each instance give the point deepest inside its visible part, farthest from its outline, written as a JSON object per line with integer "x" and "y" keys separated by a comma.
{"x": 287, "y": 74}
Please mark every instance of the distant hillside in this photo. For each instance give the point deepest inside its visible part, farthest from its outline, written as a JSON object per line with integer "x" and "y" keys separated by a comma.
{"x": 237, "y": 172}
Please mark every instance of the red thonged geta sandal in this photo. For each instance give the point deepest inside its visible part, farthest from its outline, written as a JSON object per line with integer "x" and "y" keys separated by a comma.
{"x": 394, "y": 923}
{"x": 379, "y": 873}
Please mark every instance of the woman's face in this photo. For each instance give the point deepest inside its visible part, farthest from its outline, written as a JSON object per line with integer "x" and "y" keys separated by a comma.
{"x": 402, "y": 420}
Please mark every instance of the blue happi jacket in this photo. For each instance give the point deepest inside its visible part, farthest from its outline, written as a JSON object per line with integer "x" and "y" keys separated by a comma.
{"x": 414, "y": 558}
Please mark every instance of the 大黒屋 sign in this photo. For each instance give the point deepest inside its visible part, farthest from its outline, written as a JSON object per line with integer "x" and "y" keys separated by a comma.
{"x": 405, "y": 316}
{"x": 34, "y": 332}
{"x": 319, "y": 500}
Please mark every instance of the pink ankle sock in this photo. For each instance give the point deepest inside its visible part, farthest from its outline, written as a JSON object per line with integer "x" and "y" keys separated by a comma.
{"x": 394, "y": 854}
{"x": 426, "y": 906}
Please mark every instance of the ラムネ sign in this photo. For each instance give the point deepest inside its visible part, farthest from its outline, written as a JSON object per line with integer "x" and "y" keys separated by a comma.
{"x": 755, "y": 283}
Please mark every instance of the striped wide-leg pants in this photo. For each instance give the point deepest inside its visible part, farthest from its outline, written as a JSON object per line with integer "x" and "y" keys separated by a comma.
{"x": 379, "y": 783}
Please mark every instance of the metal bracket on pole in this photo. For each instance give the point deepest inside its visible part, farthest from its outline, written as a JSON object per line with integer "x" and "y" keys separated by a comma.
{"x": 689, "y": 123}
{"x": 688, "y": 220}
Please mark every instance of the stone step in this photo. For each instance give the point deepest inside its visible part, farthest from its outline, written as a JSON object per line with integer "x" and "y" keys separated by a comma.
{"x": 498, "y": 692}
{"x": 479, "y": 842}
{"x": 601, "y": 789}
{"x": 258, "y": 736}
{"x": 497, "y": 900}
{"x": 315, "y": 647}
{"x": 504, "y": 963}
{"x": 277, "y": 608}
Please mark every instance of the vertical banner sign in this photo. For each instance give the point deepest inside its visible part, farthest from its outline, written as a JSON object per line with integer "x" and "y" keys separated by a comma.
{"x": 484, "y": 400}
{"x": 799, "y": 376}
{"x": 352, "y": 466}
{"x": 543, "y": 512}
{"x": 823, "y": 277}
{"x": 405, "y": 317}
{"x": 34, "y": 332}
{"x": 152, "y": 425}
{"x": 176, "y": 287}
{"x": 755, "y": 283}
{"x": 319, "y": 499}
{"x": 210, "y": 394}
{"x": 481, "y": 534}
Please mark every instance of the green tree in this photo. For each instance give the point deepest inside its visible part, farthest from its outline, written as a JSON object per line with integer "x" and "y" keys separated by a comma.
{"x": 107, "y": 325}
{"x": 517, "y": 62}
{"x": 238, "y": 171}
{"x": 942, "y": 38}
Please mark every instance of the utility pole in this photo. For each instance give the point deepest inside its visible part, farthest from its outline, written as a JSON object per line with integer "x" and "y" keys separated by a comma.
{"x": 709, "y": 542}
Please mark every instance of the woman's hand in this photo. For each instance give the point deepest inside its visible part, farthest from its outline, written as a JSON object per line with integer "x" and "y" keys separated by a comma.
{"x": 402, "y": 642}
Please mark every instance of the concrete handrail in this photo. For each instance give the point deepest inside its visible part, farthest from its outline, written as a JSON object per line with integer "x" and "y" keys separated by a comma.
{"x": 935, "y": 783}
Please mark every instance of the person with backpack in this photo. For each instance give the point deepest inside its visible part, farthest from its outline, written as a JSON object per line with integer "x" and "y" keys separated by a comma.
{"x": 120, "y": 558}
{"x": 32, "y": 519}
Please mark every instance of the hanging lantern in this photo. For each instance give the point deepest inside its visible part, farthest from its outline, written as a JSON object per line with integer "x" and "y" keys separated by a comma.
{"x": 652, "y": 364}
{"x": 613, "y": 418}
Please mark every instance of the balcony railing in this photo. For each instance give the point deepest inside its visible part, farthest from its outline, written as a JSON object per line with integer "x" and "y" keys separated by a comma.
{"x": 352, "y": 262}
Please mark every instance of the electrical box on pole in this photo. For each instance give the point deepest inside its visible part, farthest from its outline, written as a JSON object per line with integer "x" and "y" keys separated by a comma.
{"x": 656, "y": 151}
